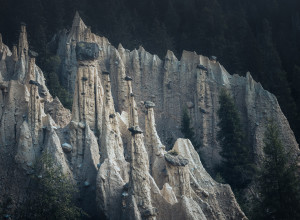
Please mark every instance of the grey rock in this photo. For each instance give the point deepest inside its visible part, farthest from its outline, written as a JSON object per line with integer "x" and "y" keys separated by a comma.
{"x": 125, "y": 194}
{"x": 67, "y": 148}
{"x": 87, "y": 51}
{"x": 213, "y": 58}
{"x": 128, "y": 78}
{"x": 190, "y": 105}
{"x": 176, "y": 160}
{"x": 32, "y": 82}
{"x": 81, "y": 125}
{"x": 205, "y": 194}
{"x": 33, "y": 54}
{"x": 173, "y": 84}
{"x": 135, "y": 130}
{"x": 149, "y": 104}
{"x": 201, "y": 67}
{"x": 150, "y": 212}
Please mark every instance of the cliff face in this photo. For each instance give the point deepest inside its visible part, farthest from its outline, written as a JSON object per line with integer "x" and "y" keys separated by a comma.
{"x": 109, "y": 144}
{"x": 192, "y": 82}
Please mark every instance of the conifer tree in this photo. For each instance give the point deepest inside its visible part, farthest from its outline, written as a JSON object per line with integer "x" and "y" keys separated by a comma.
{"x": 236, "y": 158}
{"x": 186, "y": 128}
{"x": 52, "y": 195}
{"x": 189, "y": 133}
{"x": 278, "y": 181}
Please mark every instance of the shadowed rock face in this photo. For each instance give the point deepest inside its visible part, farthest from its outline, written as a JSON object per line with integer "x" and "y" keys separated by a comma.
{"x": 109, "y": 144}
{"x": 87, "y": 51}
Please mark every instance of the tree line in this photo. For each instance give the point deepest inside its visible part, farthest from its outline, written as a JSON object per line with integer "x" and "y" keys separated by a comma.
{"x": 276, "y": 180}
{"x": 249, "y": 35}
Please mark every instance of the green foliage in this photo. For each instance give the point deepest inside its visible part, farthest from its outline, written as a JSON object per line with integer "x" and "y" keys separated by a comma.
{"x": 52, "y": 196}
{"x": 52, "y": 64}
{"x": 219, "y": 178}
{"x": 236, "y": 166}
{"x": 51, "y": 70}
{"x": 186, "y": 129}
{"x": 278, "y": 181}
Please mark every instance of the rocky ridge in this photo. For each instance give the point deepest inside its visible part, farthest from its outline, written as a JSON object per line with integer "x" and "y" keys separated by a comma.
{"x": 193, "y": 82}
{"x": 119, "y": 168}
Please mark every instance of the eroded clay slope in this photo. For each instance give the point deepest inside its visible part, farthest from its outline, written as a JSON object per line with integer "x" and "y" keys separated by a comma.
{"x": 119, "y": 168}
{"x": 192, "y": 82}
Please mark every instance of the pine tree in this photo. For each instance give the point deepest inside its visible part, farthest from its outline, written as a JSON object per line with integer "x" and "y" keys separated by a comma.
{"x": 236, "y": 166}
{"x": 186, "y": 128}
{"x": 159, "y": 39}
{"x": 279, "y": 183}
{"x": 189, "y": 133}
{"x": 52, "y": 194}
{"x": 51, "y": 69}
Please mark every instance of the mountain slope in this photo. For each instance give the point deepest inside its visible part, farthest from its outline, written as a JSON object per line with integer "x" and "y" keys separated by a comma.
{"x": 194, "y": 82}
{"x": 119, "y": 169}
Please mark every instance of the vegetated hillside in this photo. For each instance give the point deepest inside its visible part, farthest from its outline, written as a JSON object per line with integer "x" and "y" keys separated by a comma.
{"x": 257, "y": 36}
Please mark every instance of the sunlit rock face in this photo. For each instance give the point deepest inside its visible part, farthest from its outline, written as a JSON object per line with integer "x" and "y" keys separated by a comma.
{"x": 26, "y": 127}
{"x": 193, "y": 82}
{"x": 109, "y": 144}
